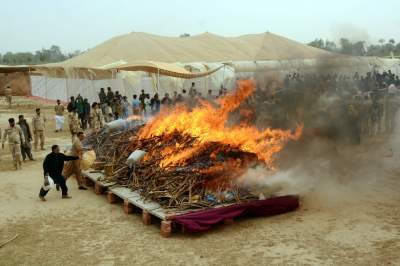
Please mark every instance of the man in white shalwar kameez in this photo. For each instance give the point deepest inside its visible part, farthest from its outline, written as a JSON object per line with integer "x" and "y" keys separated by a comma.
{"x": 59, "y": 117}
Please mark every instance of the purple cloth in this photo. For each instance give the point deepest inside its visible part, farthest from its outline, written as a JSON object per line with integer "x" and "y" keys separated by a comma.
{"x": 201, "y": 221}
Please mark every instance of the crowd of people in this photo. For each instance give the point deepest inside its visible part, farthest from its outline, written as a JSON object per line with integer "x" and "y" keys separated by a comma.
{"x": 346, "y": 108}
{"x": 83, "y": 115}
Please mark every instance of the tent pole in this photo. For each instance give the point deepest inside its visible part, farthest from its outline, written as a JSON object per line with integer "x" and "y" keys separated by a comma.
{"x": 92, "y": 83}
{"x": 45, "y": 86}
{"x": 223, "y": 77}
{"x": 158, "y": 80}
{"x": 66, "y": 87}
{"x": 30, "y": 81}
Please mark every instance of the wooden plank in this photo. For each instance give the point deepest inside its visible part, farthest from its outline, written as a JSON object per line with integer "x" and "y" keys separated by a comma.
{"x": 133, "y": 197}
{"x": 121, "y": 192}
{"x": 92, "y": 176}
{"x": 95, "y": 178}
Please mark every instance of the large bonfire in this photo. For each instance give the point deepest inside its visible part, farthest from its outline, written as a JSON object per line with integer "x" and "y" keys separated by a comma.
{"x": 193, "y": 157}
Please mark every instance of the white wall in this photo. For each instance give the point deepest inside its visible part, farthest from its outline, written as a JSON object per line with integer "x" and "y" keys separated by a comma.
{"x": 60, "y": 88}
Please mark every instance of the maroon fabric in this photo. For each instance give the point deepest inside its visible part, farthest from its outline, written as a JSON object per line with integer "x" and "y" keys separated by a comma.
{"x": 201, "y": 221}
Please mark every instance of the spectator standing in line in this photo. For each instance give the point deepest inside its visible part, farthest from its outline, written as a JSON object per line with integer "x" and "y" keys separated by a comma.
{"x": 118, "y": 96}
{"x": 86, "y": 114}
{"x": 71, "y": 105}
{"x": 136, "y": 105}
{"x": 166, "y": 101}
{"x": 59, "y": 116}
{"x": 192, "y": 90}
{"x": 96, "y": 117}
{"x": 155, "y": 104}
{"x": 26, "y": 146}
{"x": 110, "y": 95}
{"x": 174, "y": 97}
{"x": 74, "y": 123}
{"x": 118, "y": 108}
{"x": 102, "y": 96}
{"x": 38, "y": 126}
{"x": 125, "y": 107}
{"x": 142, "y": 99}
{"x": 79, "y": 106}
{"x": 108, "y": 115}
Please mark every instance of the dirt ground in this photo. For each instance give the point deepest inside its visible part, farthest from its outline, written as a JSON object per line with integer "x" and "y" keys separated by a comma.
{"x": 351, "y": 223}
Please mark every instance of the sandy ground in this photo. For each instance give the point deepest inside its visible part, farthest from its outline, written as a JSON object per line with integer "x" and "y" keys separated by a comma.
{"x": 352, "y": 223}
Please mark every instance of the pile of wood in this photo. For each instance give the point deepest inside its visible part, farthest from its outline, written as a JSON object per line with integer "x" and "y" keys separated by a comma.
{"x": 203, "y": 178}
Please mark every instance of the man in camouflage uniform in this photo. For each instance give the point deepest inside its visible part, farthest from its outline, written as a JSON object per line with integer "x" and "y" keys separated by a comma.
{"x": 8, "y": 95}
{"x": 96, "y": 117}
{"x": 74, "y": 167}
{"x": 15, "y": 139}
{"x": 74, "y": 123}
{"x": 38, "y": 126}
{"x": 26, "y": 146}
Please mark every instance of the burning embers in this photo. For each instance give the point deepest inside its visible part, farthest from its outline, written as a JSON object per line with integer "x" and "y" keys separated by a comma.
{"x": 193, "y": 157}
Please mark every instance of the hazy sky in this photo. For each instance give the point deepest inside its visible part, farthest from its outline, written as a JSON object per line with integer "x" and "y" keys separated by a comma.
{"x": 28, "y": 25}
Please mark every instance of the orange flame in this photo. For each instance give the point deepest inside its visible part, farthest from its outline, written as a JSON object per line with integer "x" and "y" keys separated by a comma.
{"x": 208, "y": 124}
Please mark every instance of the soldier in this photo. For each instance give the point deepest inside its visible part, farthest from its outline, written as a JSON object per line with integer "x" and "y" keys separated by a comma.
{"x": 109, "y": 116}
{"x": 102, "y": 96}
{"x": 74, "y": 167}
{"x": 38, "y": 125}
{"x": 117, "y": 108}
{"x": 74, "y": 123}
{"x": 15, "y": 139}
{"x": 110, "y": 95}
{"x": 8, "y": 95}
{"x": 96, "y": 117}
{"x": 71, "y": 105}
{"x": 59, "y": 117}
{"x": 86, "y": 113}
{"x": 26, "y": 147}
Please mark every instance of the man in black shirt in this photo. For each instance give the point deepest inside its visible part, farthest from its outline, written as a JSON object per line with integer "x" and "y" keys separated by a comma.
{"x": 71, "y": 105}
{"x": 52, "y": 166}
{"x": 142, "y": 98}
{"x": 110, "y": 95}
{"x": 102, "y": 96}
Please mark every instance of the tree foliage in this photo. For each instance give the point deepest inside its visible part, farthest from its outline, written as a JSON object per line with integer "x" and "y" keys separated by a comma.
{"x": 43, "y": 56}
{"x": 359, "y": 48}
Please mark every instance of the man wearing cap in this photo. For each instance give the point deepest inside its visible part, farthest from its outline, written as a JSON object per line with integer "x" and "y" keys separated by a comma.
{"x": 74, "y": 168}
{"x": 38, "y": 125}
{"x": 74, "y": 124}
{"x": 26, "y": 146}
{"x": 15, "y": 139}
{"x": 53, "y": 165}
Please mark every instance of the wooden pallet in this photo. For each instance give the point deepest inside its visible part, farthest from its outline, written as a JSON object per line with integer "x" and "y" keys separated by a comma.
{"x": 132, "y": 200}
